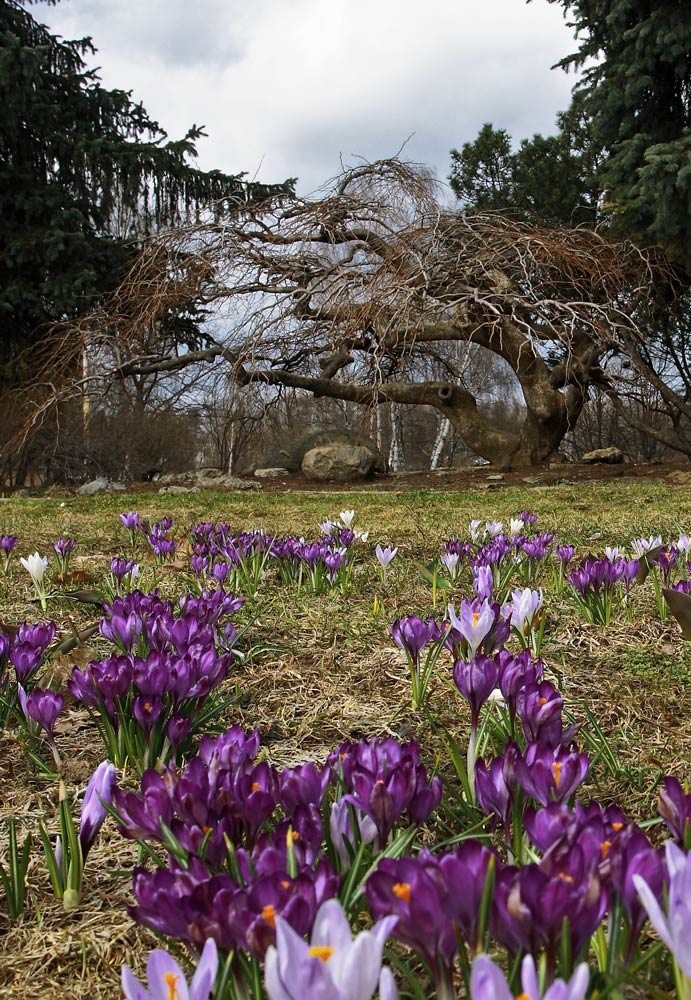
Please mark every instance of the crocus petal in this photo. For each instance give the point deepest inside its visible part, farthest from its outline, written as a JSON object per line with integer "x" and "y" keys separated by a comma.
{"x": 388, "y": 990}
{"x": 529, "y": 978}
{"x": 160, "y": 965}
{"x": 131, "y": 986}
{"x": 579, "y": 982}
{"x": 331, "y": 926}
{"x": 272, "y": 980}
{"x": 300, "y": 974}
{"x": 487, "y": 981}
{"x": 205, "y": 976}
{"x": 653, "y": 909}
{"x": 355, "y": 969}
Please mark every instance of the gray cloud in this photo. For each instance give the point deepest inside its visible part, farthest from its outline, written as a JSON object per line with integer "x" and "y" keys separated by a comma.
{"x": 285, "y": 87}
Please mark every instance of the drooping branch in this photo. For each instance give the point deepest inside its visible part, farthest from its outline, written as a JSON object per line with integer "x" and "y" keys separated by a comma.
{"x": 328, "y": 295}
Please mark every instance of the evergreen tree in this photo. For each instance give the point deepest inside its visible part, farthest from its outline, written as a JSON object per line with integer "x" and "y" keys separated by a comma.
{"x": 548, "y": 179}
{"x": 636, "y": 89}
{"x": 84, "y": 174}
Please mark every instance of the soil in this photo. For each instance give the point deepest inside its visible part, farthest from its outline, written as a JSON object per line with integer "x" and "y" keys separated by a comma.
{"x": 489, "y": 478}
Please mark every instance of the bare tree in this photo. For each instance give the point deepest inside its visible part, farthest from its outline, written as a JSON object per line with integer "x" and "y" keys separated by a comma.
{"x": 366, "y": 291}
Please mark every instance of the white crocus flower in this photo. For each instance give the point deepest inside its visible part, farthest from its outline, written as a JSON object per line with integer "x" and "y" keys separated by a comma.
{"x": 347, "y": 517}
{"x": 36, "y": 566}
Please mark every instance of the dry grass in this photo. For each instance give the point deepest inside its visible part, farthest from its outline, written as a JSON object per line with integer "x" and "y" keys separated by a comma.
{"x": 324, "y": 669}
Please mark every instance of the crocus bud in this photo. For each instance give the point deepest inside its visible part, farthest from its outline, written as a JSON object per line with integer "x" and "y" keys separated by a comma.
{"x": 98, "y": 795}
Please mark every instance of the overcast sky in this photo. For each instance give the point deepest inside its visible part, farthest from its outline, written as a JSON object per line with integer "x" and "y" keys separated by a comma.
{"x": 292, "y": 87}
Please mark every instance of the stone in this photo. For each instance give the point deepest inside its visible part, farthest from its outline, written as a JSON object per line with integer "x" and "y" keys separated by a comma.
{"x": 341, "y": 463}
{"x": 270, "y": 473}
{"x": 497, "y": 477}
{"x": 175, "y": 491}
{"x": 606, "y": 456}
{"x": 210, "y": 474}
{"x": 100, "y": 485}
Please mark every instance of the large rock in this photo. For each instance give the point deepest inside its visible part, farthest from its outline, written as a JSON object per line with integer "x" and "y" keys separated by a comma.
{"x": 290, "y": 454}
{"x": 604, "y": 456}
{"x": 270, "y": 473}
{"x": 100, "y": 485}
{"x": 341, "y": 463}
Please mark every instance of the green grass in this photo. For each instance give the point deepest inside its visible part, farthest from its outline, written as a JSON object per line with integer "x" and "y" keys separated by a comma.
{"x": 323, "y": 669}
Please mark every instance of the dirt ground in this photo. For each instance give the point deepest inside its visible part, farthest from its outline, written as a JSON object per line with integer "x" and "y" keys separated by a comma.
{"x": 490, "y": 478}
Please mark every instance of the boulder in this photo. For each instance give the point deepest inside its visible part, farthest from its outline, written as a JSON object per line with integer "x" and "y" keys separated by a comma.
{"x": 270, "y": 473}
{"x": 174, "y": 490}
{"x": 100, "y": 485}
{"x": 604, "y": 456}
{"x": 341, "y": 463}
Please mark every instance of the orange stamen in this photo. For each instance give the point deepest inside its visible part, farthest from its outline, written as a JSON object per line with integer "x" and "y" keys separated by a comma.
{"x": 171, "y": 981}
{"x": 402, "y": 890}
{"x": 565, "y": 877}
{"x": 269, "y": 914}
{"x": 604, "y": 848}
{"x": 617, "y": 827}
{"x": 476, "y": 615}
{"x": 556, "y": 771}
{"x": 321, "y": 951}
{"x": 255, "y": 786}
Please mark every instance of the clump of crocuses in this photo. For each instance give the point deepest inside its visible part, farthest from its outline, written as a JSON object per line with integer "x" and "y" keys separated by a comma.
{"x": 146, "y": 698}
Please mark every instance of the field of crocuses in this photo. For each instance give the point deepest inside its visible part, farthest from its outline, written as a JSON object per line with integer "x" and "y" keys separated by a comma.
{"x": 344, "y": 746}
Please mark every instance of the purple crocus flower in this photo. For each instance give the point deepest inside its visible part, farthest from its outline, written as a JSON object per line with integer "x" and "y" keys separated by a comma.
{"x": 565, "y": 553}
{"x": 412, "y": 634}
{"x": 167, "y": 981}
{"x": 539, "y": 707}
{"x": 631, "y": 855}
{"x": 333, "y": 966}
{"x": 7, "y": 543}
{"x": 515, "y": 672}
{"x": 131, "y": 520}
{"x": 495, "y": 786}
{"x": 476, "y": 680}
{"x": 43, "y": 707}
{"x": 675, "y": 808}
{"x": 385, "y": 555}
{"x": 551, "y": 775}
{"x": 98, "y": 795}
{"x": 415, "y": 890}
{"x": 483, "y": 582}
{"x": 343, "y": 837}
{"x": 475, "y": 624}
{"x": 675, "y": 927}
{"x": 524, "y": 607}
{"x": 488, "y": 982}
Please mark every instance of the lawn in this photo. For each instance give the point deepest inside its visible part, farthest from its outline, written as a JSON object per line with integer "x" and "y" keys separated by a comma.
{"x": 316, "y": 670}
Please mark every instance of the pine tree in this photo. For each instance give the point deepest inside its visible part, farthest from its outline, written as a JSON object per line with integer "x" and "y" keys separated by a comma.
{"x": 85, "y": 173}
{"x": 636, "y": 89}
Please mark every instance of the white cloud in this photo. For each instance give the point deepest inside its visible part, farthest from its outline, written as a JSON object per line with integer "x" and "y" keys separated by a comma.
{"x": 285, "y": 87}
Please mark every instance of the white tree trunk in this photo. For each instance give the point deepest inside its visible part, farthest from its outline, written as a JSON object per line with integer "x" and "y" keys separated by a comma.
{"x": 395, "y": 446}
{"x": 439, "y": 442}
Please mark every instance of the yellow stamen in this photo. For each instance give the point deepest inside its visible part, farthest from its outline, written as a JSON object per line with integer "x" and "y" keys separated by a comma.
{"x": 476, "y": 615}
{"x": 269, "y": 914}
{"x": 147, "y": 706}
{"x": 285, "y": 883}
{"x": 322, "y": 951}
{"x": 604, "y": 848}
{"x": 402, "y": 890}
{"x": 522, "y": 996}
{"x": 556, "y": 771}
{"x": 543, "y": 701}
{"x": 171, "y": 980}
{"x": 565, "y": 877}
{"x": 617, "y": 827}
